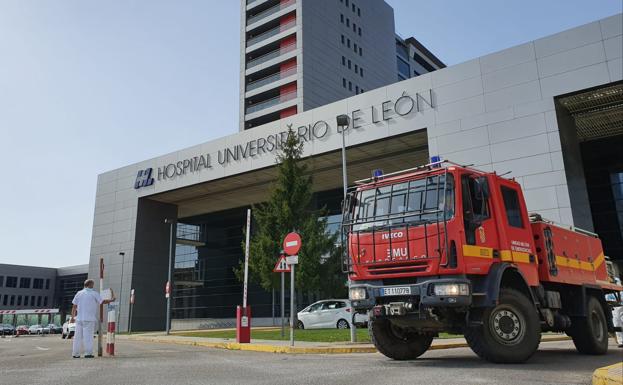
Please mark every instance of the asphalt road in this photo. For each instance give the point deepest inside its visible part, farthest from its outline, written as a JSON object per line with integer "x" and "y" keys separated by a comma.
{"x": 46, "y": 360}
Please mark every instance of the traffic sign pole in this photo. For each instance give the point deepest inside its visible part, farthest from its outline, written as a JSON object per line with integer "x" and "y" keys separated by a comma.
{"x": 292, "y": 306}
{"x": 283, "y": 302}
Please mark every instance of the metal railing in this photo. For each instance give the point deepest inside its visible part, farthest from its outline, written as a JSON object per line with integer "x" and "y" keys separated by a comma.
{"x": 271, "y": 55}
{"x": 270, "y": 33}
{"x": 436, "y": 219}
{"x": 269, "y": 11}
{"x": 270, "y": 79}
{"x": 271, "y": 102}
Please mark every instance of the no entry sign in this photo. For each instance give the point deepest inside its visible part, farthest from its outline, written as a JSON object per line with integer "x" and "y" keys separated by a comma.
{"x": 292, "y": 244}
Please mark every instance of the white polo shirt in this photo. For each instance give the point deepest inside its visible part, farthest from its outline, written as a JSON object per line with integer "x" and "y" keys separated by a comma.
{"x": 88, "y": 301}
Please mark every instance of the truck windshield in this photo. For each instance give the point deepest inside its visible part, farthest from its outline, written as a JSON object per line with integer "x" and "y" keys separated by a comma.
{"x": 425, "y": 200}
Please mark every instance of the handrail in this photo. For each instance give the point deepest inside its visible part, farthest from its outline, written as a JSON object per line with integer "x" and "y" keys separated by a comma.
{"x": 271, "y": 55}
{"x": 270, "y": 11}
{"x": 270, "y": 79}
{"x": 270, "y": 33}
{"x": 271, "y": 102}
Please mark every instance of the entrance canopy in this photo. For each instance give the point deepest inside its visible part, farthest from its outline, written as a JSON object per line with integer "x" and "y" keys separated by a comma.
{"x": 396, "y": 153}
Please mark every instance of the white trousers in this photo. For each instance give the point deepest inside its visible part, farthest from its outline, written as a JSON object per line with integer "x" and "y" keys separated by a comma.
{"x": 617, "y": 320}
{"x": 83, "y": 337}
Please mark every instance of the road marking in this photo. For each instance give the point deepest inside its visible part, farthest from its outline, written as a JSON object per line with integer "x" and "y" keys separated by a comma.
{"x": 40, "y": 348}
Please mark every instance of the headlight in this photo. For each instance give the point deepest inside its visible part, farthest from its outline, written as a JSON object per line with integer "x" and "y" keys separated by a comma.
{"x": 451, "y": 289}
{"x": 357, "y": 293}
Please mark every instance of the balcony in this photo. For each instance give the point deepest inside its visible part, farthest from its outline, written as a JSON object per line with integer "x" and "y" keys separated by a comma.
{"x": 270, "y": 11}
{"x": 271, "y": 55}
{"x": 270, "y": 33}
{"x": 270, "y": 79}
{"x": 270, "y": 102}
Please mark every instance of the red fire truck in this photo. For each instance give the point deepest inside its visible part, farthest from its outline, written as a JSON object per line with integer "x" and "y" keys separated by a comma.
{"x": 448, "y": 248}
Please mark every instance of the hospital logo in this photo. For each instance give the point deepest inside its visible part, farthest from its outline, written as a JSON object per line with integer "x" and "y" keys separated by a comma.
{"x": 143, "y": 178}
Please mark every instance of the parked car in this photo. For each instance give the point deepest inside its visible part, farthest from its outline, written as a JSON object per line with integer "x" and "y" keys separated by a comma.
{"x": 55, "y": 329}
{"x": 331, "y": 313}
{"x": 7, "y": 329}
{"x": 21, "y": 330}
{"x": 68, "y": 330}
{"x": 38, "y": 329}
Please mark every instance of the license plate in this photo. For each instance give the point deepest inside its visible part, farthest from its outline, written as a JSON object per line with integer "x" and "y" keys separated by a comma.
{"x": 396, "y": 291}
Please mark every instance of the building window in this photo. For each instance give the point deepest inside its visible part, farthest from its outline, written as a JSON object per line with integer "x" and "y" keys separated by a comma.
{"x": 32, "y": 300}
{"x": 38, "y": 301}
{"x": 347, "y": 22}
{"x": 348, "y": 43}
{"x": 11, "y": 281}
{"x": 45, "y": 301}
{"x": 343, "y": 60}
{"x": 37, "y": 283}
{"x": 358, "y": 12}
{"x": 350, "y": 86}
{"x": 355, "y": 47}
{"x": 353, "y": 7}
{"x": 354, "y": 27}
{"x": 47, "y": 284}
{"x": 356, "y": 68}
{"x": 25, "y": 300}
{"x": 361, "y": 71}
{"x": 12, "y": 303}
{"x": 343, "y": 82}
{"x": 19, "y": 300}
{"x": 5, "y": 300}
{"x": 356, "y": 89}
{"x": 341, "y": 18}
{"x": 1, "y": 280}
{"x": 24, "y": 283}
{"x": 360, "y": 52}
{"x": 349, "y": 64}
{"x": 343, "y": 39}
{"x": 359, "y": 29}
{"x": 347, "y": 3}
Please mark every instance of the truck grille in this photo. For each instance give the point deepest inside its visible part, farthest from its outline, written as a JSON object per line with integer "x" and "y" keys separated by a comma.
{"x": 409, "y": 267}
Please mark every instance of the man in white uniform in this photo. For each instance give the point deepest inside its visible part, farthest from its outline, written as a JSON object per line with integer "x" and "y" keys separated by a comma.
{"x": 86, "y": 303}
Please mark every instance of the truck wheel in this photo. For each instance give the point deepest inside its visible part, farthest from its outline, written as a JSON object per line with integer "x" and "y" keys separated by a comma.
{"x": 510, "y": 332}
{"x": 590, "y": 333}
{"x": 396, "y": 343}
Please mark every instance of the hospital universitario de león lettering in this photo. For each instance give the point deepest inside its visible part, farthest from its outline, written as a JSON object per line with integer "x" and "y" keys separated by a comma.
{"x": 403, "y": 106}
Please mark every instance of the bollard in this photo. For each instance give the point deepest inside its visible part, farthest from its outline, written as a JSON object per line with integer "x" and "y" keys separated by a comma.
{"x": 110, "y": 335}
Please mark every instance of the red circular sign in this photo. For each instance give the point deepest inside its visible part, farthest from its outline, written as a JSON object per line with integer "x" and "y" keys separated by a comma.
{"x": 292, "y": 244}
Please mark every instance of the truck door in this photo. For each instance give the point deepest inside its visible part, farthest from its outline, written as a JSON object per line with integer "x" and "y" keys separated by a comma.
{"x": 480, "y": 240}
{"x": 517, "y": 243}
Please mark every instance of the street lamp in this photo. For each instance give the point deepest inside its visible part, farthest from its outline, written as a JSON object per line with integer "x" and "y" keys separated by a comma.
{"x": 342, "y": 123}
{"x": 122, "y": 254}
{"x": 171, "y": 223}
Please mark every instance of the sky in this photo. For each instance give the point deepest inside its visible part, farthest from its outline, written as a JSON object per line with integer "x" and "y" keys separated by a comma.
{"x": 87, "y": 86}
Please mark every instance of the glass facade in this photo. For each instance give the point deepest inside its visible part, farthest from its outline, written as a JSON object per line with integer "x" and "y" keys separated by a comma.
{"x": 209, "y": 248}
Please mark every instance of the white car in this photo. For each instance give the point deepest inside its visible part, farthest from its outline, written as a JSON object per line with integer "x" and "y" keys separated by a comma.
{"x": 38, "y": 329}
{"x": 69, "y": 328}
{"x": 329, "y": 313}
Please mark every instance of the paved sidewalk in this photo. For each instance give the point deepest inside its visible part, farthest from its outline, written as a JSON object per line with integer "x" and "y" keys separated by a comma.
{"x": 276, "y": 346}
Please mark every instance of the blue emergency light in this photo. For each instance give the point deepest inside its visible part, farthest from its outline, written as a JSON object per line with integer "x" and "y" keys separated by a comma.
{"x": 378, "y": 173}
{"x": 435, "y": 161}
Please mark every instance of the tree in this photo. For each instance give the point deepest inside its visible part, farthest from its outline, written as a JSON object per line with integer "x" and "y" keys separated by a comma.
{"x": 290, "y": 208}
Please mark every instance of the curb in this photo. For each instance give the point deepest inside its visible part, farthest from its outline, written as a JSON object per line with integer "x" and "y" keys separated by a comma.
{"x": 609, "y": 375}
{"x": 266, "y": 348}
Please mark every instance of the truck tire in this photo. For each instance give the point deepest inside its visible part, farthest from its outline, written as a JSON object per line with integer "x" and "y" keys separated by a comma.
{"x": 510, "y": 332}
{"x": 590, "y": 333}
{"x": 395, "y": 343}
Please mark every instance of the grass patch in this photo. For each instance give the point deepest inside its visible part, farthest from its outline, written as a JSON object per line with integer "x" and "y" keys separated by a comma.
{"x": 310, "y": 335}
